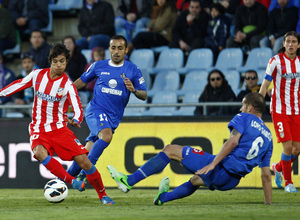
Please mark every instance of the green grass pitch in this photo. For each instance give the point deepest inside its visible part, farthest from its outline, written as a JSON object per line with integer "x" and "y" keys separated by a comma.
{"x": 137, "y": 204}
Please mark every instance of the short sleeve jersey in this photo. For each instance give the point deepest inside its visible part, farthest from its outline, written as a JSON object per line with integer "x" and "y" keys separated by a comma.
{"x": 255, "y": 145}
{"x": 110, "y": 92}
{"x": 285, "y": 74}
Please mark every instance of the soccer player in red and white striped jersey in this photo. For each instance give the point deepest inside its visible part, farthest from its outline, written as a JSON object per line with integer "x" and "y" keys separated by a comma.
{"x": 284, "y": 70}
{"x": 54, "y": 92}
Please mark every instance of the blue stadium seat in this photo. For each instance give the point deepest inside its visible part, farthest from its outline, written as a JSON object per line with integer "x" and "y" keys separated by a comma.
{"x": 162, "y": 97}
{"x": 160, "y": 49}
{"x": 170, "y": 59}
{"x": 234, "y": 80}
{"x": 49, "y": 28}
{"x": 229, "y": 59}
{"x": 189, "y": 97}
{"x": 66, "y": 5}
{"x": 258, "y": 59}
{"x": 165, "y": 81}
{"x": 107, "y": 54}
{"x": 134, "y": 111}
{"x": 87, "y": 53}
{"x": 194, "y": 81}
{"x": 198, "y": 59}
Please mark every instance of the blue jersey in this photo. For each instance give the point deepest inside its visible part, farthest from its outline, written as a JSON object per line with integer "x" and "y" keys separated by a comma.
{"x": 255, "y": 145}
{"x": 110, "y": 92}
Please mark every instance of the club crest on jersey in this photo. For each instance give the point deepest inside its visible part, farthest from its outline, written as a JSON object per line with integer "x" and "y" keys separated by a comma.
{"x": 281, "y": 134}
{"x": 60, "y": 91}
{"x": 123, "y": 76}
{"x": 77, "y": 141}
{"x": 196, "y": 151}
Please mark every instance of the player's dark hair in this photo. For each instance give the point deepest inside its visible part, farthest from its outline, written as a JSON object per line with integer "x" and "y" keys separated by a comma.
{"x": 290, "y": 33}
{"x": 256, "y": 100}
{"x": 58, "y": 49}
{"x": 119, "y": 37}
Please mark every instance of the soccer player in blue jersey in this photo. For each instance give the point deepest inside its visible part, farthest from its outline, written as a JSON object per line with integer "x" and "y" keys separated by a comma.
{"x": 116, "y": 78}
{"x": 249, "y": 145}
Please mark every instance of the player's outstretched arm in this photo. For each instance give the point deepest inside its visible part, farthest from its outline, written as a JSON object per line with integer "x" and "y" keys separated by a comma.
{"x": 264, "y": 87}
{"x": 266, "y": 179}
{"x": 228, "y": 146}
{"x": 79, "y": 84}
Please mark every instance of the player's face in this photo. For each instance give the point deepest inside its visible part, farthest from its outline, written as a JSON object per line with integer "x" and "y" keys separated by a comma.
{"x": 58, "y": 64}
{"x": 27, "y": 65}
{"x": 118, "y": 51}
{"x": 291, "y": 44}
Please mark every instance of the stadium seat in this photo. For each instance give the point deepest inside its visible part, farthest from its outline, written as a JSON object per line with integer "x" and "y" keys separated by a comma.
{"x": 165, "y": 81}
{"x": 143, "y": 58}
{"x": 234, "y": 80}
{"x": 261, "y": 75}
{"x": 49, "y": 28}
{"x": 195, "y": 81}
{"x": 160, "y": 49}
{"x": 87, "y": 54}
{"x": 134, "y": 111}
{"x": 170, "y": 59}
{"x": 258, "y": 59}
{"x": 189, "y": 97}
{"x": 198, "y": 59}
{"x": 162, "y": 97}
{"x": 66, "y": 5}
{"x": 229, "y": 59}
{"x": 107, "y": 54}
{"x": 17, "y": 49}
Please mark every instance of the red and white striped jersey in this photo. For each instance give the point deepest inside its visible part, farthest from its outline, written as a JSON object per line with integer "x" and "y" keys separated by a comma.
{"x": 51, "y": 99}
{"x": 286, "y": 78}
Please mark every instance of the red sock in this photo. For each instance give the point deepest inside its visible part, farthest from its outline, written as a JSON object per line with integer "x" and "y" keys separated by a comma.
{"x": 287, "y": 171}
{"x": 96, "y": 181}
{"x": 279, "y": 166}
{"x": 58, "y": 170}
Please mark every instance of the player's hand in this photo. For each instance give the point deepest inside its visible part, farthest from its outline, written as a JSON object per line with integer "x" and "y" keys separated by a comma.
{"x": 73, "y": 123}
{"x": 129, "y": 85}
{"x": 205, "y": 169}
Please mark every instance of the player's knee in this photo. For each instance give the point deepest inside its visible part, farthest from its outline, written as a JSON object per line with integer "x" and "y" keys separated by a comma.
{"x": 83, "y": 162}
{"x": 197, "y": 181}
{"x": 40, "y": 152}
{"x": 168, "y": 149}
{"x": 173, "y": 151}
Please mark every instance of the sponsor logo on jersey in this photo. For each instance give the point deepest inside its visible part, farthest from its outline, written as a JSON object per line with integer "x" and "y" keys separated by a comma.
{"x": 112, "y": 83}
{"x": 291, "y": 75}
{"x": 46, "y": 97}
{"x": 105, "y": 73}
{"x": 60, "y": 91}
{"x": 141, "y": 80}
{"x": 111, "y": 91}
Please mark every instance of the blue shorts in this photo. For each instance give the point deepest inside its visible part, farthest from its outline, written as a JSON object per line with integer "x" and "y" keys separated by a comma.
{"x": 96, "y": 120}
{"x": 218, "y": 178}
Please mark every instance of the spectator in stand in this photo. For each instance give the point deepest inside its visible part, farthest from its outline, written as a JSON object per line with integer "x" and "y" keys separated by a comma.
{"x": 160, "y": 31}
{"x": 29, "y": 14}
{"x": 6, "y": 77}
{"x": 98, "y": 53}
{"x": 39, "y": 49}
{"x": 281, "y": 20}
{"x": 133, "y": 15}
{"x": 96, "y": 24}
{"x": 76, "y": 65}
{"x": 190, "y": 28}
{"x": 26, "y": 96}
{"x": 216, "y": 90}
{"x": 250, "y": 25}
{"x": 8, "y": 37}
{"x": 216, "y": 30}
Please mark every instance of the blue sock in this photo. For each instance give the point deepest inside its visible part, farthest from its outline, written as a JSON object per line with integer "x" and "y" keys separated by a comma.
{"x": 97, "y": 150}
{"x": 90, "y": 171}
{"x": 46, "y": 160}
{"x": 95, "y": 153}
{"x": 74, "y": 169}
{"x": 152, "y": 166}
{"x": 285, "y": 157}
{"x": 179, "y": 192}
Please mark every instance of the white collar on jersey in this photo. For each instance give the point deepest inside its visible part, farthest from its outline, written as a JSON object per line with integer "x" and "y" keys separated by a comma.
{"x": 114, "y": 65}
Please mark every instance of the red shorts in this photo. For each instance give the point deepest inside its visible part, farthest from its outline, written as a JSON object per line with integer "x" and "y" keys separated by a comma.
{"x": 61, "y": 141}
{"x": 287, "y": 127}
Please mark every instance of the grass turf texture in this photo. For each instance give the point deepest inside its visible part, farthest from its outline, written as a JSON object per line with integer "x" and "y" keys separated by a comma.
{"x": 137, "y": 204}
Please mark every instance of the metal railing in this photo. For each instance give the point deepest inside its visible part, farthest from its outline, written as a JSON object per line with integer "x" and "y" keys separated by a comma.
{"x": 203, "y": 104}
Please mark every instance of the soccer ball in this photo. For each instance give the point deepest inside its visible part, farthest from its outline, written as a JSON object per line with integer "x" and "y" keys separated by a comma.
{"x": 55, "y": 191}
